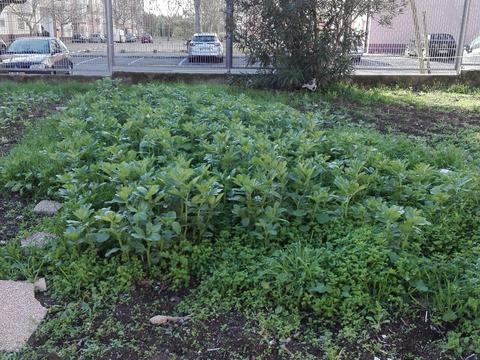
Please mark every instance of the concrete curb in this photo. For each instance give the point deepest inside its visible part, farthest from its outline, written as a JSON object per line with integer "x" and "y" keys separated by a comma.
{"x": 471, "y": 77}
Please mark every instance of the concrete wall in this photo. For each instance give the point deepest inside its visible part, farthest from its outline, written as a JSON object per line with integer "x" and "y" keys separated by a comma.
{"x": 443, "y": 16}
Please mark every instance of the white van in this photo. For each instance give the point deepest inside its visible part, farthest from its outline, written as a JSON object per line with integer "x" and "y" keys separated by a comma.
{"x": 119, "y": 36}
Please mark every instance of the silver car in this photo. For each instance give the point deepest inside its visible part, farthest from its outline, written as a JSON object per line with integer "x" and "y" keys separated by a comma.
{"x": 37, "y": 55}
{"x": 205, "y": 46}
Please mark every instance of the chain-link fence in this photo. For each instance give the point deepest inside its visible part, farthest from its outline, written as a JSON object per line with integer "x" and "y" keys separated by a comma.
{"x": 74, "y": 36}
{"x": 53, "y": 36}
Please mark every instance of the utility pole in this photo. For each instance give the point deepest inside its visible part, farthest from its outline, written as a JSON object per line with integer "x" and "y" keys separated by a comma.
{"x": 463, "y": 34}
{"x": 229, "y": 24}
{"x": 110, "y": 43}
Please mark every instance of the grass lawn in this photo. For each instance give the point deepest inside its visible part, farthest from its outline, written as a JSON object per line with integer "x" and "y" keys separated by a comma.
{"x": 340, "y": 225}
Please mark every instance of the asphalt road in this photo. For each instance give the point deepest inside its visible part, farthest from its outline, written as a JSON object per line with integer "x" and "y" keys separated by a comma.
{"x": 171, "y": 60}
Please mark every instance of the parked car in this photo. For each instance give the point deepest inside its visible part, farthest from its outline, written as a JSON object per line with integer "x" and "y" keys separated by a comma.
{"x": 79, "y": 38}
{"x": 97, "y": 38}
{"x": 205, "y": 46}
{"x": 146, "y": 39}
{"x": 471, "y": 55}
{"x": 3, "y": 46}
{"x": 130, "y": 38}
{"x": 37, "y": 55}
{"x": 442, "y": 46}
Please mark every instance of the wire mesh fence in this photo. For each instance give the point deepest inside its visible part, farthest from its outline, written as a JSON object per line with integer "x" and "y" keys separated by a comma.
{"x": 52, "y": 36}
{"x": 70, "y": 36}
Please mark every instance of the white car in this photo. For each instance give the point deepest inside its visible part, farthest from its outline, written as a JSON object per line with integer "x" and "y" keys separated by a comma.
{"x": 205, "y": 46}
{"x": 472, "y": 53}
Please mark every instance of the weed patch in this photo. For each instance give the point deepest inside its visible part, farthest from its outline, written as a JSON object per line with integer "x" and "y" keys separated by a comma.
{"x": 298, "y": 220}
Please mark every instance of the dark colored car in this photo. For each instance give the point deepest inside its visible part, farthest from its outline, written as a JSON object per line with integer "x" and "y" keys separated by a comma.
{"x": 37, "y": 55}
{"x": 3, "y": 46}
{"x": 79, "y": 38}
{"x": 146, "y": 39}
{"x": 97, "y": 38}
{"x": 442, "y": 46}
{"x": 130, "y": 38}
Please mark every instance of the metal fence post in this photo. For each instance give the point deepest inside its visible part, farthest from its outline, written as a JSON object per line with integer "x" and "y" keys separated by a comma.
{"x": 229, "y": 22}
{"x": 110, "y": 40}
{"x": 463, "y": 34}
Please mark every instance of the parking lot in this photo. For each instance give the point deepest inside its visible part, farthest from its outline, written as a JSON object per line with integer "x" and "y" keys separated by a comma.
{"x": 171, "y": 56}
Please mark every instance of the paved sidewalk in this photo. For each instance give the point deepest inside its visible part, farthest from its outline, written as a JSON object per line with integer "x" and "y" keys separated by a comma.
{"x": 20, "y": 314}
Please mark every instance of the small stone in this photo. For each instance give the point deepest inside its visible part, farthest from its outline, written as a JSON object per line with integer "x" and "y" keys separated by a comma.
{"x": 61, "y": 108}
{"x": 37, "y": 240}
{"x": 40, "y": 285}
{"x": 47, "y": 207}
{"x": 445, "y": 171}
{"x": 162, "y": 320}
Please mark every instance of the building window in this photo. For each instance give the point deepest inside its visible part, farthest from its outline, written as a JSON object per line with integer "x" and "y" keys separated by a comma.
{"x": 21, "y": 24}
{"x": 2, "y": 23}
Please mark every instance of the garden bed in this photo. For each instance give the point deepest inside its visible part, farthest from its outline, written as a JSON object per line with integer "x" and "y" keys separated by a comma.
{"x": 284, "y": 233}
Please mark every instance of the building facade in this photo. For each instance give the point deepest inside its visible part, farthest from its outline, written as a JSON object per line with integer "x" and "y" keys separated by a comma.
{"x": 60, "y": 18}
{"x": 441, "y": 16}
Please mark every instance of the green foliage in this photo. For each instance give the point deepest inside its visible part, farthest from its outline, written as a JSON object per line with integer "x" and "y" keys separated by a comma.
{"x": 267, "y": 208}
{"x": 13, "y": 107}
{"x": 297, "y": 41}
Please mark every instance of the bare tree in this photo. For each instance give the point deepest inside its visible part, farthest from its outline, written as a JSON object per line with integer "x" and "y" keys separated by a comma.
{"x": 5, "y": 3}
{"x": 128, "y": 13}
{"x": 30, "y": 13}
{"x": 213, "y": 16}
{"x": 66, "y": 12}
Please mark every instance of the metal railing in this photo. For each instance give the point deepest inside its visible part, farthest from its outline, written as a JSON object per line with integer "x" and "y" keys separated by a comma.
{"x": 103, "y": 36}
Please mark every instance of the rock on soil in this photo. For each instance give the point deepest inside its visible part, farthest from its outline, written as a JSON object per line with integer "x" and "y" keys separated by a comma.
{"x": 162, "y": 320}
{"x": 47, "y": 207}
{"x": 37, "y": 240}
{"x": 20, "y": 314}
{"x": 40, "y": 285}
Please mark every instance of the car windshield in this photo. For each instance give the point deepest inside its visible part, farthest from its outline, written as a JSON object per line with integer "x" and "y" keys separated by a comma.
{"x": 29, "y": 46}
{"x": 204, "y": 38}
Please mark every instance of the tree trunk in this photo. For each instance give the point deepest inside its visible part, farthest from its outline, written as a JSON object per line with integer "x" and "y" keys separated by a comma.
{"x": 198, "y": 26}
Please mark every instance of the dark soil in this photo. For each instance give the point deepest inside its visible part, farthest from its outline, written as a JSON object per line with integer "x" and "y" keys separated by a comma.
{"x": 14, "y": 131}
{"x": 214, "y": 338}
{"x": 15, "y": 211}
{"x": 409, "y": 119}
{"x": 15, "y": 214}
{"x": 233, "y": 336}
